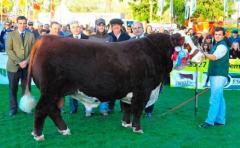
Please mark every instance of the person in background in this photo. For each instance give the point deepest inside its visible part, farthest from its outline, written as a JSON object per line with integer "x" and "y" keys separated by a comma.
{"x": 116, "y": 35}
{"x": 217, "y": 72}
{"x": 76, "y": 31}
{"x": 18, "y": 46}
{"x": 33, "y": 30}
{"x": 66, "y": 30}
{"x": 234, "y": 37}
{"x": 149, "y": 29}
{"x": 3, "y": 37}
{"x": 138, "y": 32}
{"x": 46, "y": 27}
{"x": 100, "y": 36}
{"x": 129, "y": 31}
{"x": 206, "y": 47}
{"x": 43, "y": 32}
{"x": 55, "y": 29}
{"x": 235, "y": 51}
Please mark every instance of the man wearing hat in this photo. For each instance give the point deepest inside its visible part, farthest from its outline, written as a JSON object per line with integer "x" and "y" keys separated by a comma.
{"x": 100, "y": 36}
{"x": 101, "y": 33}
{"x": 116, "y": 35}
{"x": 234, "y": 37}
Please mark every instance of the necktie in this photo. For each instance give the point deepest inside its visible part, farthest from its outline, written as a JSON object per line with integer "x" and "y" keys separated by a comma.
{"x": 76, "y": 37}
{"x": 22, "y": 37}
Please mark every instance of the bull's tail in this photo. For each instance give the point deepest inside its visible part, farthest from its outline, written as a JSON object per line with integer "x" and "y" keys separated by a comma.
{"x": 27, "y": 102}
{"x": 31, "y": 60}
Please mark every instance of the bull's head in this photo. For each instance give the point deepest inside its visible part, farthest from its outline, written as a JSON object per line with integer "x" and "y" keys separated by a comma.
{"x": 180, "y": 55}
{"x": 185, "y": 51}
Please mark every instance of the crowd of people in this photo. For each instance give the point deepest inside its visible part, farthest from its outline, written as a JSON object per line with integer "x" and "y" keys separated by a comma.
{"x": 18, "y": 39}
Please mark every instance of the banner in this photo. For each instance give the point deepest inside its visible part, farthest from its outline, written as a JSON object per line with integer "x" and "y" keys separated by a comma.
{"x": 171, "y": 8}
{"x": 160, "y": 7}
{"x": 186, "y": 10}
{"x": 193, "y": 7}
{"x": 187, "y": 76}
{"x": 225, "y": 3}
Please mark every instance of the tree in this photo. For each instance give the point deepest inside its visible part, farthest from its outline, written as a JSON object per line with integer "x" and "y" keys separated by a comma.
{"x": 207, "y": 9}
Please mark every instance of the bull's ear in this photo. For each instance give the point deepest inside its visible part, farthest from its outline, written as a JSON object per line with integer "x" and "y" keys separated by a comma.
{"x": 177, "y": 39}
{"x": 182, "y": 40}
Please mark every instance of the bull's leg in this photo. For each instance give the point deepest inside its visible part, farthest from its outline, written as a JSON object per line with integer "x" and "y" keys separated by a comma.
{"x": 39, "y": 118}
{"x": 126, "y": 108}
{"x": 138, "y": 103}
{"x": 55, "y": 115}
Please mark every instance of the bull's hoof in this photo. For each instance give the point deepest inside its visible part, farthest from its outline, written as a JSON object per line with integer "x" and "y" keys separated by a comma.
{"x": 126, "y": 125}
{"x": 65, "y": 132}
{"x": 140, "y": 131}
{"x": 38, "y": 138}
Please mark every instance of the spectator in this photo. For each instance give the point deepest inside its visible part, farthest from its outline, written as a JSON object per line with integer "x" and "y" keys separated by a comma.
{"x": 138, "y": 32}
{"x": 3, "y": 37}
{"x": 116, "y": 36}
{"x": 46, "y": 27}
{"x": 100, "y": 36}
{"x": 19, "y": 44}
{"x": 43, "y": 32}
{"x": 235, "y": 51}
{"x": 33, "y": 30}
{"x": 77, "y": 34}
{"x": 149, "y": 29}
{"x": 55, "y": 28}
{"x": 218, "y": 73}
{"x": 130, "y": 31}
{"x": 206, "y": 47}
{"x": 234, "y": 37}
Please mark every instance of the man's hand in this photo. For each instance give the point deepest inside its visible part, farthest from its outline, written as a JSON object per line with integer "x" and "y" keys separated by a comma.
{"x": 23, "y": 64}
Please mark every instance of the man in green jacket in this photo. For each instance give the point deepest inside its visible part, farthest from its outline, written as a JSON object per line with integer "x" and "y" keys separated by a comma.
{"x": 217, "y": 73}
{"x": 18, "y": 46}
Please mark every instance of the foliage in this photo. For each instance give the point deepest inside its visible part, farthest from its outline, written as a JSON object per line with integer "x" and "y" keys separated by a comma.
{"x": 208, "y": 9}
{"x": 211, "y": 9}
{"x": 141, "y": 10}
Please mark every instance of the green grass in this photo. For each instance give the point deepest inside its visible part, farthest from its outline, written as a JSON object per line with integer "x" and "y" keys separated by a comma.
{"x": 177, "y": 129}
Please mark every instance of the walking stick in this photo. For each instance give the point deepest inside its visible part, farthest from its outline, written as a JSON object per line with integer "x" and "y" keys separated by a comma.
{"x": 196, "y": 92}
{"x": 184, "y": 103}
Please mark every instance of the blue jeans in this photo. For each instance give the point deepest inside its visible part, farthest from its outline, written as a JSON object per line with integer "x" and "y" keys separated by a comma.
{"x": 103, "y": 107}
{"x": 216, "y": 112}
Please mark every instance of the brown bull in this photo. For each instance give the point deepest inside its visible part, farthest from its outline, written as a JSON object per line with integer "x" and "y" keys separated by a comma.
{"x": 63, "y": 66}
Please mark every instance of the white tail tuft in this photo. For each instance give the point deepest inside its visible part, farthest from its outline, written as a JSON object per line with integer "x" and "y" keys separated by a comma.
{"x": 27, "y": 103}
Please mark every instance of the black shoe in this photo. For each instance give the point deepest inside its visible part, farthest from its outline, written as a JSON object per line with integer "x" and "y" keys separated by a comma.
{"x": 12, "y": 114}
{"x": 148, "y": 115}
{"x": 218, "y": 124}
{"x": 205, "y": 125}
{"x": 73, "y": 112}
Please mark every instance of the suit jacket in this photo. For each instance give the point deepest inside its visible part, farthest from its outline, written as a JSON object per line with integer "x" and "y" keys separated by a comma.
{"x": 83, "y": 36}
{"x": 16, "y": 50}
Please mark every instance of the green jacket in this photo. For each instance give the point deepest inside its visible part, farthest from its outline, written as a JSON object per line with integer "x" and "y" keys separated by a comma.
{"x": 17, "y": 52}
{"x": 219, "y": 67}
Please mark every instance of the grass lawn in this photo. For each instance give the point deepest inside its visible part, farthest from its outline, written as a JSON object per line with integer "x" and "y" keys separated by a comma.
{"x": 177, "y": 129}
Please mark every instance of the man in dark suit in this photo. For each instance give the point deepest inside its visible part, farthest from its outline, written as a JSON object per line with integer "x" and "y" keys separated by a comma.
{"x": 117, "y": 35}
{"x": 76, "y": 31}
{"x": 18, "y": 46}
{"x": 138, "y": 31}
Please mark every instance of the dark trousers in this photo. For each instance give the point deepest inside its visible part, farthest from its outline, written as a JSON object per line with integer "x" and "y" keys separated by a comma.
{"x": 73, "y": 105}
{"x": 14, "y": 78}
{"x": 149, "y": 109}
